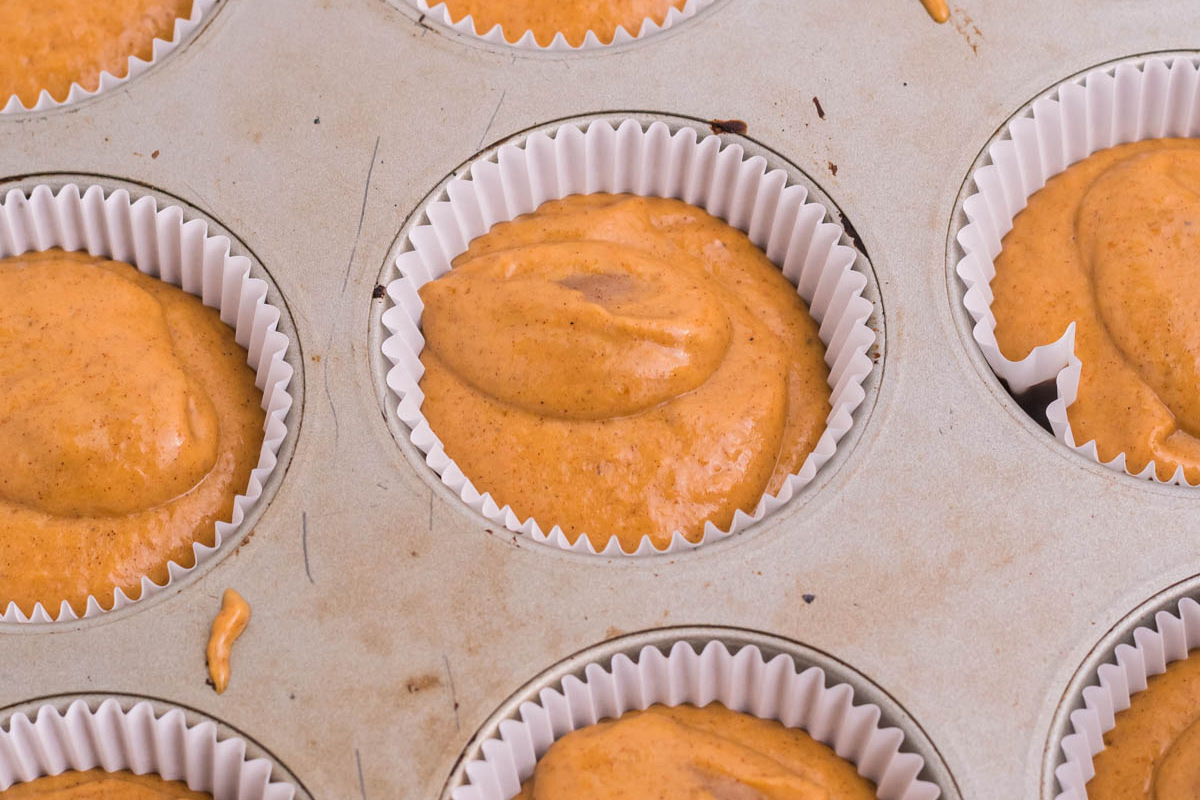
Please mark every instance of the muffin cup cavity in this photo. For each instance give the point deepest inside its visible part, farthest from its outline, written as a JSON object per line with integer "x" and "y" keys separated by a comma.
{"x": 113, "y": 739}
{"x": 160, "y": 243}
{"x": 698, "y": 672}
{"x": 650, "y": 161}
{"x": 1147, "y": 99}
{"x": 134, "y": 67}
{"x": 1124, "y": 672}
{"x": 525, "y": 40}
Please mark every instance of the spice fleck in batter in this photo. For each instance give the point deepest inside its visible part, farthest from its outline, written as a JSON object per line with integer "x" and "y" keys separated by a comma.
{"x": 622, "y": 365}
{"x": 1112, "y": 244}
{"x": 685, "y": 752}
{"x": 50, "y": 44}
{"x": 129, "y": 421}
{"x": 99, "y": 785}
{"x": 573, "y": 18}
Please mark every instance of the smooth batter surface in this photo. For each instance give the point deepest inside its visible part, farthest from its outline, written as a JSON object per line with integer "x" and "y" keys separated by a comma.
{"x": 129, "y": 421}
{"x": 1153, "y": 752}
{"x": 1113, "y": 244}
{"x": 227, "y": 626}
{"x": 573, "y": 18}
{"x": 50, "y": 44}
{"x": 687, "y": 753}
{"x": 99, "y": 785}
{"x": 622, "y": 366}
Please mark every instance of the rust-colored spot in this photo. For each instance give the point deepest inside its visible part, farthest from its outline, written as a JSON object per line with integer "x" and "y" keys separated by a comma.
{"x": 833, "y": 169}
{"x": 154, "y": 154}
{"x": 613, "y": 632}
{"x": 728, "y": 126}
{"x": 316, "y": 358}
{"x": 422, "y": 682}
{"x": 820, "y": 111}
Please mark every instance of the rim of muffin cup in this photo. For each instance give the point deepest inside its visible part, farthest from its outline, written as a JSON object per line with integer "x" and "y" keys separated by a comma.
{"x": 438, "y": 11}
{"x": 160, "y": 237}
{"x": 116, "y": 732}
{"x": 1135, "y": 98}
{"x": 748, "y": 671}
{"x": 181, "y": 29}
{"x": 627, "y": 144}
{"x": 1156, "y": 633}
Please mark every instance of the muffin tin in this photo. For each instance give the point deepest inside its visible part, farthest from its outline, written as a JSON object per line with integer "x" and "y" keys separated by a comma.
{"x": 955, "y": 555}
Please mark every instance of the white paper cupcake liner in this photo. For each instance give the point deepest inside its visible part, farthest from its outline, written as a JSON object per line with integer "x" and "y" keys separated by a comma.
{"x": 1147, "y": 99}
{"x": 113, "y": 740}
{"x": 1116, "y": 681}
{"x": 526, "y": 41}
{"x": 160, "y": 243}
{"x": 653, "y": 162}
{"x": 135, "y": 66}
{"x": 741, "y": 681}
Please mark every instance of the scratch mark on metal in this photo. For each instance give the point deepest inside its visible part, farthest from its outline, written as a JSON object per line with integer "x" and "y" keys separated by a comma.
{"x": 337, "y": 429}
{"x": 304, "y": 544}
{"x": 495, "y": 111}
{"x": 361, "y": 214}
{"x": 362, "y": 784}
{"x": 453, "y": 693}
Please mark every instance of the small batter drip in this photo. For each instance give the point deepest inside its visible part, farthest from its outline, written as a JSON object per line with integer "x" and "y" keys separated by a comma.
{"x": 226, "y": 628}
{"x": 937, "y": 9}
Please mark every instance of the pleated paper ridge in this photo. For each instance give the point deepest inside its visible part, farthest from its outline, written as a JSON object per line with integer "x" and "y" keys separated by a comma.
{"x": 160, "y": 243}
{"x": 652, "y": 162}
{"x": 741, "y": 681}
{"x": 1123, "y": 675}
{"x": 1149, "y": 99}
{"x": 526, "y": 40}
{"x": 113, "y": 739}
{"x": 135, "y": 66}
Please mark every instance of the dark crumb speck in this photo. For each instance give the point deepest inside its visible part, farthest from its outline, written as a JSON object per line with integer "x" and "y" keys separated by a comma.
{"x": 808, "y": 598}
{"x": 316, "y": 120}
{"x": 728, "y": 126}
{"x": 820, "y": 111}
{"x": 154, "y": 154}
{"x": 378, "y": 291}
{"x": 291, "y": 696}
{"x": 208, "y": 682}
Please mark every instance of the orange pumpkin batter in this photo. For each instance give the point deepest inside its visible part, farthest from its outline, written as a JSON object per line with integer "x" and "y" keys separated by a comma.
{"x": 573, "y": 18}
{"x": 1112, "y": 244}
{"x": 99, "y": 785}
{"x": 129, "y": 421}
{"x": 50, "y": 44}
{"x": 622, "y": 366}
{"x": 684, "y": 752}
{"x": 1153, "y": 752}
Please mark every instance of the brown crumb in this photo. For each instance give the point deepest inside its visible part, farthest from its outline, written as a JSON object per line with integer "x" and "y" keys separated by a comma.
{"x": 316, "y": 358}
{"x": 808, "y": 598}
{"x": 728, "y": 126}
{"x": 154, "y": 154}
{"x": 820, "y": 111}
{"x": 833, "y": 168}
{"x": 378, "y": 291}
